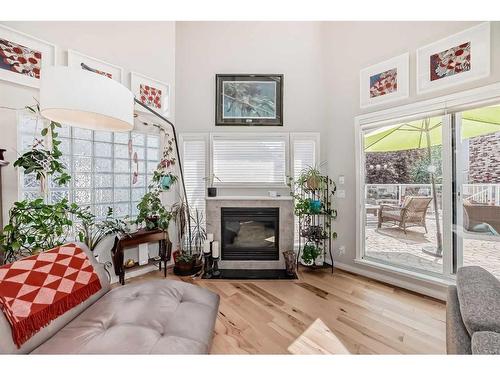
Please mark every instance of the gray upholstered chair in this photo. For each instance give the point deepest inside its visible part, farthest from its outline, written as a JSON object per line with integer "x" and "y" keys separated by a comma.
{"x": 473, "y": 313}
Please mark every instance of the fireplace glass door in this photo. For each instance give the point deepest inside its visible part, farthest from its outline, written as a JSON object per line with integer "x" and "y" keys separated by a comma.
{"x": 250, "y": 233}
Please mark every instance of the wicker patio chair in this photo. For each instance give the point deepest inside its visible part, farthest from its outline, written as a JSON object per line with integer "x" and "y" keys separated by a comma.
{"x": 410, "y": 214}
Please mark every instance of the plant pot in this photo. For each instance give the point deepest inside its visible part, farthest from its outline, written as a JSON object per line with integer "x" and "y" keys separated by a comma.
{"x": 185, "y": 267}
{"x": 313, "y": 182}
{"x": 166, "y": 182}
{"x": 315, "y": 206}
{"x": 152, "y": 223}
{"x": 212, "y": 192}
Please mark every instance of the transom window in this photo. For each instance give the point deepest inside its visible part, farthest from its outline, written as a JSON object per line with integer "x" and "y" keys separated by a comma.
{"x": 101, "y": 164}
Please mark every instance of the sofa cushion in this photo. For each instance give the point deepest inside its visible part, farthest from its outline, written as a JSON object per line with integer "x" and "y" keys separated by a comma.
{"x": 7, "y": 345}
{"x": 152, "y": 317}
{"x": 479, "y": 297}
{"x": 486, "y": 343}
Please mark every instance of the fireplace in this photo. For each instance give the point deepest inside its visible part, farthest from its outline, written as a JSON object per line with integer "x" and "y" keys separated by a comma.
{"x": 249, "y": 233}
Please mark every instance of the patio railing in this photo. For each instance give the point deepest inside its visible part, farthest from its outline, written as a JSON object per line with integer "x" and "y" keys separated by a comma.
{"x": 482, "y": 193}
{"x": 395, "y": 193}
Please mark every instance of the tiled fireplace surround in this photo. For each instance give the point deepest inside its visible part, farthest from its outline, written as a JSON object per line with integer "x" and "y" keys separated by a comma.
{"x": 286, "y": 227}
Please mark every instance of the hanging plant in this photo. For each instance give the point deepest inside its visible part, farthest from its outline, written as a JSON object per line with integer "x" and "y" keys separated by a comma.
{"x": 163, "y": 176}
{"x": 44, "y": 157}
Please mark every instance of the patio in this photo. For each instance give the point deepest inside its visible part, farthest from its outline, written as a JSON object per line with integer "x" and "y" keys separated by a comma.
{"x": 391, "y": 245}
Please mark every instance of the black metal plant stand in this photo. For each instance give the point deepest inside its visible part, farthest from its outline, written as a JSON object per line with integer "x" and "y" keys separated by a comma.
{"x": 316, "y": 227}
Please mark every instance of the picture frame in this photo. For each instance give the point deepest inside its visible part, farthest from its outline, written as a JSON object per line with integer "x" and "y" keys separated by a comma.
{"x": 385, "y": 82}
{"x": 75, "y": 59}
{"x": 35, "y": 54}
{"x": 249, "y": 100}
{"x": 457, "y": 59}
{"x": 151, "y": 92}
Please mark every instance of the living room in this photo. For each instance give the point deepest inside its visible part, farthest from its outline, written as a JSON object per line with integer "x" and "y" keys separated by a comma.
{"x": 246, "y": 186}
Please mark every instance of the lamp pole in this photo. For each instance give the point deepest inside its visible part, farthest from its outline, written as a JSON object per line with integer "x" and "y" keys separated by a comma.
{"x": 179, "y": 164}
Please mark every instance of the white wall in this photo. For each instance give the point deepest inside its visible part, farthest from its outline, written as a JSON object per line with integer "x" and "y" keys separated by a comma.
{"x": 204, "y": 49}
{"x": 143, "y": 47}
{"x": 349, "y": 47}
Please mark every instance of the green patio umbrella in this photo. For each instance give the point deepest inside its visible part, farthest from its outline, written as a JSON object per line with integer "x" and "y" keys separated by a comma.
{"x": 423, "y": 134}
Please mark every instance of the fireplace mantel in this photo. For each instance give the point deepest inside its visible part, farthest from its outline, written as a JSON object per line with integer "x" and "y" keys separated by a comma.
{"x": 249, "y": 198}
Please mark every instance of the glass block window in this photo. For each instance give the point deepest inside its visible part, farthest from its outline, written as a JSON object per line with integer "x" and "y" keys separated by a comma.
{"x": 100, "y": 164}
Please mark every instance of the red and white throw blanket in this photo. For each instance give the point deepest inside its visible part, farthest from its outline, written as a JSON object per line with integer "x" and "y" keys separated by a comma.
{"x": 36, "y": 290}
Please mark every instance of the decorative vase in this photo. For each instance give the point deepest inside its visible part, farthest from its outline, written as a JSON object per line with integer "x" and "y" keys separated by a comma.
{"x": 315, "y": 206}
{"x": 166, "y": 182}
{"x": 289, "y": 256}
{"x": 212, "y": 192}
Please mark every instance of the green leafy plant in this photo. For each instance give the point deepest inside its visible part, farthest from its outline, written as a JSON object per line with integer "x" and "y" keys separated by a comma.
{"x": 165, "y": 166}
{"x": 179, "y": 215}
{"x": 44, "y": 161}
{"x": 310, "y": 252}
{"x": 92, "y": 233}
{"x": 152, "y": 214}
{"x": 35, "y": 226}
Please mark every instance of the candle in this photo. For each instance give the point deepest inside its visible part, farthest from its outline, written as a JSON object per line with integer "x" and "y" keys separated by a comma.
{"x": 206, "y": 247}
{"x": 210, "y": 237}
{"x": 215, "y": 249}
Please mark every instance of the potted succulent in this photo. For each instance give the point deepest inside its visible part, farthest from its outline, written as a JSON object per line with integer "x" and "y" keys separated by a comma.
{"x": 211, "y": 190}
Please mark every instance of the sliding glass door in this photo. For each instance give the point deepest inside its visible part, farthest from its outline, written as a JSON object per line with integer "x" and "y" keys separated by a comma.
{"x": 477, "y": 198}
{"x": 402, "y": 208}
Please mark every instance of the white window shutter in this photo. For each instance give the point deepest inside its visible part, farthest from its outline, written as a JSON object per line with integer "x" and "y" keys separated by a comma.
{"x": 194, "y": 166}
{"x": 237, "y": 160}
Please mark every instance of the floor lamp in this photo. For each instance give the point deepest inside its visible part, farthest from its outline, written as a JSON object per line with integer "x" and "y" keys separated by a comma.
{"x": 82, "y": 98}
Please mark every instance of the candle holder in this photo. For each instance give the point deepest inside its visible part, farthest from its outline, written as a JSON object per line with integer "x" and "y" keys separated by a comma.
{"x": 207, "y": 271}
{"x": 215, "y": 268}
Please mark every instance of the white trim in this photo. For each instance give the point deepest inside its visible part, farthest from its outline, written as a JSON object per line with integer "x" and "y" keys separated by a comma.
{"x": 397, "y": 281}
{"x": 303, "y": 136}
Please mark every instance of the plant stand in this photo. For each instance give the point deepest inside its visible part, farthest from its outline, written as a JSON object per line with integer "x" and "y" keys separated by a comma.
{"x": 315, "y": 226}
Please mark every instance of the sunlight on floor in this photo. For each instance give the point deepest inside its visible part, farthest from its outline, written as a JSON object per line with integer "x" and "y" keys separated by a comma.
{"x": 318, "y": 339}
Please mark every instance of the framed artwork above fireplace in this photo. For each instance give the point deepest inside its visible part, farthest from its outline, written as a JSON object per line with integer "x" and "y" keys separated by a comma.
{"x": 249, "y": 99}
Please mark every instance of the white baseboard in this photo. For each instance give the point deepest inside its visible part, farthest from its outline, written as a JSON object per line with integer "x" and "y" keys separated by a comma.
{"x": 431, "y": 292}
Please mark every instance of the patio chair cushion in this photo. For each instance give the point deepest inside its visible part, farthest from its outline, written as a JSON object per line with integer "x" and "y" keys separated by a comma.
{"x": 486, "y": 343}
{"x": 479, "y": 297}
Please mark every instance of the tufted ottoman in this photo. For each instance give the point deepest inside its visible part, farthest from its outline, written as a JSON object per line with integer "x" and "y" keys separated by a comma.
{"x": 153, "y": 317}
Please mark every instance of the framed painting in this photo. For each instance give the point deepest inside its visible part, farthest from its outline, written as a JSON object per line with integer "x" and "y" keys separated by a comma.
{"x": 151, "y": 92}
{"x": 76, "y": 59}
{"x": 460, "y": 58}
{"x": 249, "y": 99}
{"x": 384, "y": 82}
{"x": 23, "y": 57}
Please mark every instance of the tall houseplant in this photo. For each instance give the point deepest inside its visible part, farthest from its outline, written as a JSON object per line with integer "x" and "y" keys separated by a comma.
{"x": 35, "y": 225}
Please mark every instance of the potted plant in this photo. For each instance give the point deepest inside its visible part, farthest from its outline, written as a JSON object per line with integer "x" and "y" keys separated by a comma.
{"x": 311, "y": 178}
{"x": 92, "y": 233}
{"x": 309, "y": 253}
{"x": 152, "y": 214}
{"x": 163, "y": 176}
{"x": 211, "y": 190}
{"x": 184, "y": 260}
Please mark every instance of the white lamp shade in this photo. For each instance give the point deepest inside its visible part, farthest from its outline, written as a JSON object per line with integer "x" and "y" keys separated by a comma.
{"x": 84, "y": 99}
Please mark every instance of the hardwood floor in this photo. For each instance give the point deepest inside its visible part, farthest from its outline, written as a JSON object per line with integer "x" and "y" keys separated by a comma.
{"x": 322, "y": 313}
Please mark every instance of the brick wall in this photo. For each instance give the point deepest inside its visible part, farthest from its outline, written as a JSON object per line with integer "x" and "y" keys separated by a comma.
{"x": 484, "y": 159}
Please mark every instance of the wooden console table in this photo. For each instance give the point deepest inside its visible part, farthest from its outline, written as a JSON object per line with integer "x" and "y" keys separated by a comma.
{"x": 135, "y": 239}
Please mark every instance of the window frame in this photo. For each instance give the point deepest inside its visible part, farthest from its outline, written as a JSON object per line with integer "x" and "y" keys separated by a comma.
{"x": 304, "y": 136}
{"x": 71, "y": 188}
{"x": 446, "y": 106}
